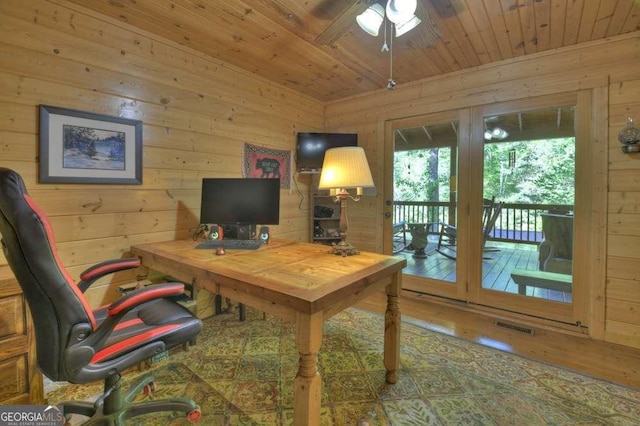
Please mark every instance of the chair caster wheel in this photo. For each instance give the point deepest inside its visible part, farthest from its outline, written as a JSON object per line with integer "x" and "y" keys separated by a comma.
{"x": 194, "y": 415}
{"x": 149, "y": 389}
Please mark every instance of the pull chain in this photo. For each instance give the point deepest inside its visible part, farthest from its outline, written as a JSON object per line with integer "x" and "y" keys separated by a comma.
{"x": 391, "y": 84}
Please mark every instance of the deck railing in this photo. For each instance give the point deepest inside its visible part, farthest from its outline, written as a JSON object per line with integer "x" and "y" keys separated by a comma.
{"x": 517, "y": 222}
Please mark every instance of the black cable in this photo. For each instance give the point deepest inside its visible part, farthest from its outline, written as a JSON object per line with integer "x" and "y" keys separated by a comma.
{"x": 200, "y": 231}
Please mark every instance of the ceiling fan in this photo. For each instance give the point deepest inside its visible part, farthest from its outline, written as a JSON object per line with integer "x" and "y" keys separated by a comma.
{"x": 402, "y": 15}
{"x": 396, "y": 16}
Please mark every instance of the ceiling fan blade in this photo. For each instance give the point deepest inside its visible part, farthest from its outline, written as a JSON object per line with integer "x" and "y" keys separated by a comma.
{"x": 343, "y": 22}
{"x": 428, "y": 33}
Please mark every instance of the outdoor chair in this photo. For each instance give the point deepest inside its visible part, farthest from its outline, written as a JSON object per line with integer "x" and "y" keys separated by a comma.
{"x": 448, "y": 237}
{"x": 399, "y": 236}
{"x": 556, "y": 250}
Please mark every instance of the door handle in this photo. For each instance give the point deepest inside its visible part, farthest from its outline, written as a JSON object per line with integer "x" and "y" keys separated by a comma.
{"x": 387, "y": 215}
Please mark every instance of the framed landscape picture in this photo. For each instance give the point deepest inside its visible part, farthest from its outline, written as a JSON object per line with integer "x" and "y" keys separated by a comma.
{"x": 82, "y": 147}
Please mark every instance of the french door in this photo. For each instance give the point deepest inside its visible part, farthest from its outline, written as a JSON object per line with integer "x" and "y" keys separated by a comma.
{"x": 494, "y": 190}
{"x": 425, "y": 155}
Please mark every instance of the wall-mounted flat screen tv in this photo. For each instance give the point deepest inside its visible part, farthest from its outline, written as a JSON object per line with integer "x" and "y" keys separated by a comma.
{"x": 311, "y": 147}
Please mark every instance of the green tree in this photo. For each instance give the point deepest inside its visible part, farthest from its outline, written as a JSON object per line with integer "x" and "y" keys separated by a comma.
{"x": 422, "y": 175}
{"x": 534, "y": 172}
{"x": 80, "y": 138}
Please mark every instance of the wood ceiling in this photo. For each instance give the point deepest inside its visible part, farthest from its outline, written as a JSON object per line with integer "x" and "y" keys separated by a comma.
{"x": 315, "y": 46}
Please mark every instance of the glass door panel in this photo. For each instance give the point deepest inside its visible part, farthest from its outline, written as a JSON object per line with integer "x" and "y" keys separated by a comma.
{"x": 426, "y": 154}
{"x": 523, "y": 208}
{"x": 529, "y": 193}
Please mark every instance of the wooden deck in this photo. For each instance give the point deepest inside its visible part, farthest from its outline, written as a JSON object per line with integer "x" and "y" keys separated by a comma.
{"x": 496, "y": 268}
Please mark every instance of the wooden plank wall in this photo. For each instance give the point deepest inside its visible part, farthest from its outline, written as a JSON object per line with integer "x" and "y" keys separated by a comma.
{"x": 197, "y": 114}
{"x": 613, "y": 63}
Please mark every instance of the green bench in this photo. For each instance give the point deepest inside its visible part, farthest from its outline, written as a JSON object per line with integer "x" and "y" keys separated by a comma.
{"x": 541, "y": 279}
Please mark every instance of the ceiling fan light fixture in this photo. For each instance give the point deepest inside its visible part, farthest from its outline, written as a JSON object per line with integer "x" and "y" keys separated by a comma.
{"x": 497, "y": 133}
{"x": 407, "y": 26}
{"x": 399, "y": 11}
{"x": 371, "y": 19}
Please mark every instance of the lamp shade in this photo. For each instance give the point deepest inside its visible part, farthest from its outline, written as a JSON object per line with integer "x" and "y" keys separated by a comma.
{"x": 371, "y": 19}
{"x": 399, "y": 11}
{"x": 345, "y": 168}
{"x": 407, "y": 26}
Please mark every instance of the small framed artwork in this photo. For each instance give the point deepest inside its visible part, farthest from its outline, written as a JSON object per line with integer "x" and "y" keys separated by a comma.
{"x": 82, "y": 147}
{"x": 261, "y": 162}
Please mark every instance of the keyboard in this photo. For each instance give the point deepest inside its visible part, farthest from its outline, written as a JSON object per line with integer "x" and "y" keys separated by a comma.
{"x": 230, "y": 244}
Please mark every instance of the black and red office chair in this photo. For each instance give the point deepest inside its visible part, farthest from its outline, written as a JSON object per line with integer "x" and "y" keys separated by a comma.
{"x": 77, "y": 344}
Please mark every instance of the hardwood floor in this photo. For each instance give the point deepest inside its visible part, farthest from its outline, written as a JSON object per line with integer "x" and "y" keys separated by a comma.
{"x": 607, "y": 361}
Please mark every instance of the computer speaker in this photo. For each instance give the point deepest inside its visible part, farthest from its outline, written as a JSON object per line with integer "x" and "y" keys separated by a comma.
{"x": 264, "y": 234}
{"x": 215, "y": 232}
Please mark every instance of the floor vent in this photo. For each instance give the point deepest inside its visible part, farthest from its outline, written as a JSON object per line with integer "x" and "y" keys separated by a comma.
{"x": 519, "y": 328}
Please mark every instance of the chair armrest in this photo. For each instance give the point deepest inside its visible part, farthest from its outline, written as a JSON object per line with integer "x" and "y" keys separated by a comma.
{"x": 545, "y": 252}
{"x": 95, "y": 272}
{"x": 142, "y": 295}
{"x": 448, "y": 230}
{"x": 399, "y": 226}
{"x": 84, "y": 349}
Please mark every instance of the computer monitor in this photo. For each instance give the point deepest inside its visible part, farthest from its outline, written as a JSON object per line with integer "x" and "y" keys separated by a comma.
{"x": 238, "y": 204}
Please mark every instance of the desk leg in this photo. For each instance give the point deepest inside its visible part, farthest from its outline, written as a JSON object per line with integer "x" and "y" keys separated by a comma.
{"x": 392, "y": 323}
{"x": 308, "y": 386}
{"x": 143, "y": 273}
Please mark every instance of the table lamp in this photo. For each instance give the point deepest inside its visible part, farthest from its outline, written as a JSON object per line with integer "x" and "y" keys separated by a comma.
{"x": 343, "y": 169}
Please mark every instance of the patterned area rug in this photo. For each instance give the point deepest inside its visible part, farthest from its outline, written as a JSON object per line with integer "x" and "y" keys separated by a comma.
{"x": 241, "y": 373}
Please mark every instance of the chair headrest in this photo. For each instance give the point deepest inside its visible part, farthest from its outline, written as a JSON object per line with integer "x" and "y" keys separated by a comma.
{"x": 11, "y": 187}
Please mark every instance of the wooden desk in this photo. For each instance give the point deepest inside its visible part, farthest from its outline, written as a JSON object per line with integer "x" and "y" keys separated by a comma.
{"x": 297, "y": 282}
